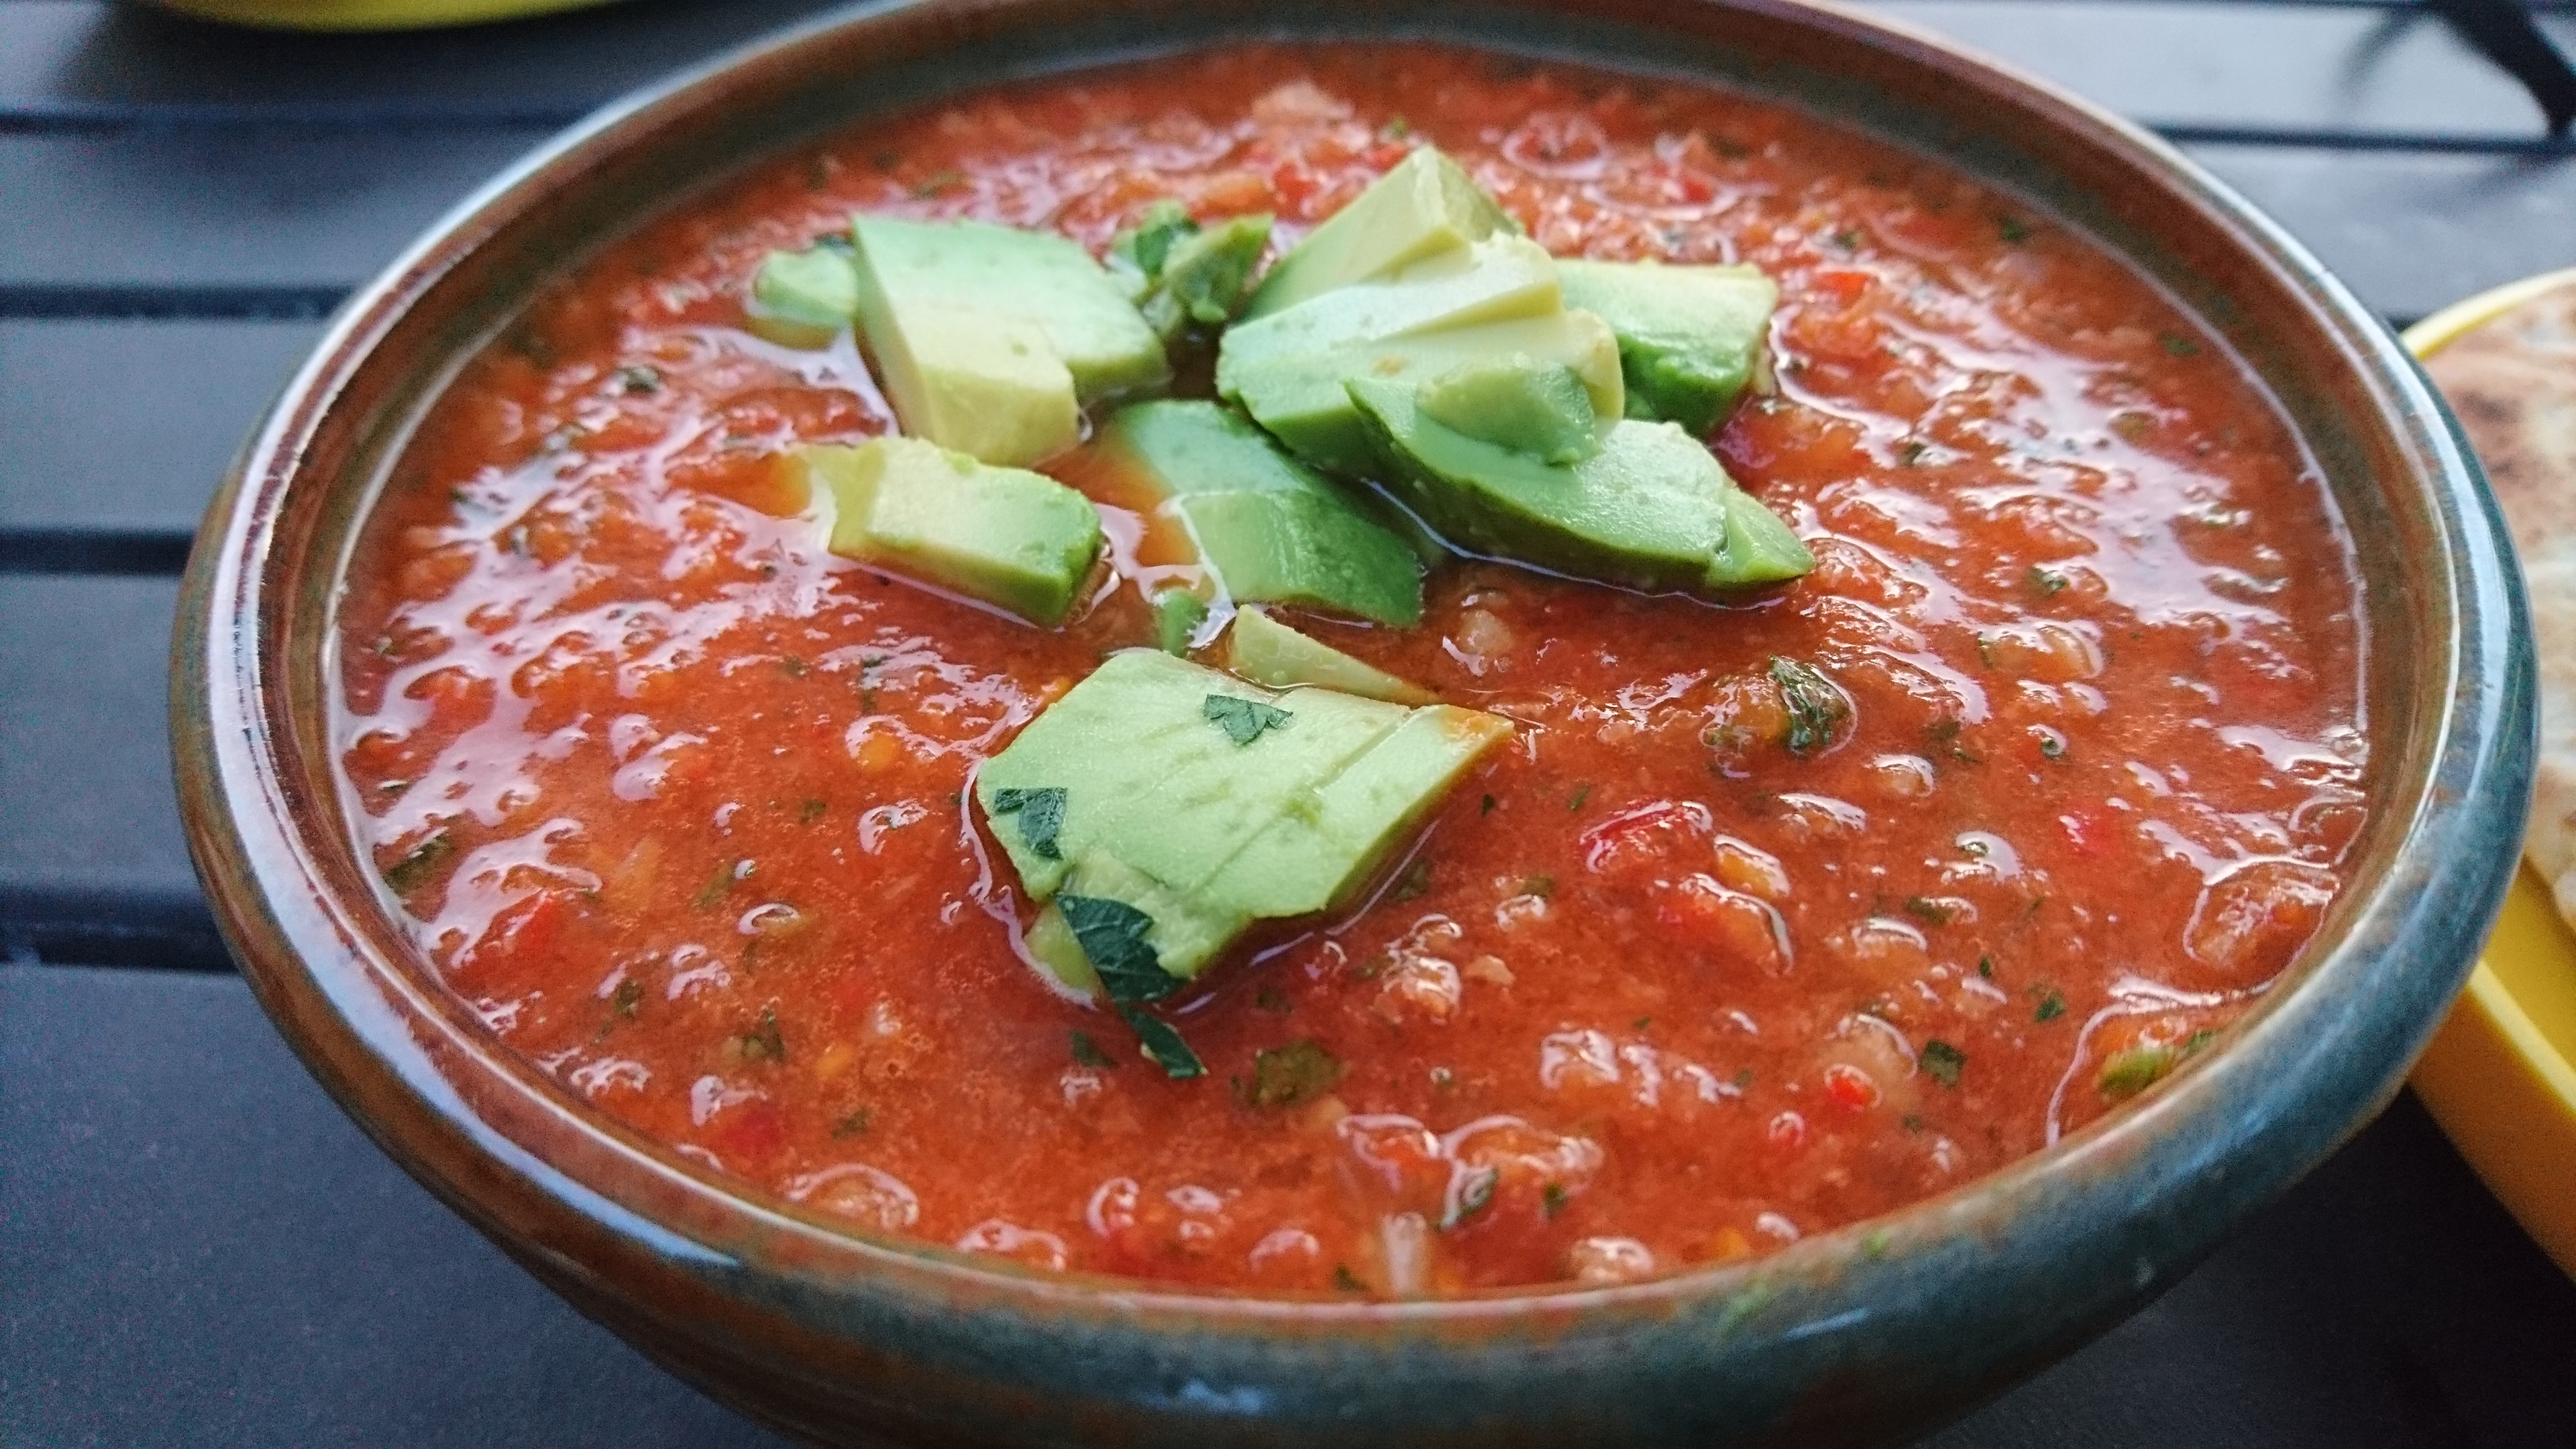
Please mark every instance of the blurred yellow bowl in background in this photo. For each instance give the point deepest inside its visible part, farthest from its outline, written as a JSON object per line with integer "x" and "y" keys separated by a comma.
{"x": 2500, "y": 1076}
{"x": 365, "y": 14}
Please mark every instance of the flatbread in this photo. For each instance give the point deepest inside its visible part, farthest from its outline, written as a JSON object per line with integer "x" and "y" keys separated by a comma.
{"x": 2513, "y": 384}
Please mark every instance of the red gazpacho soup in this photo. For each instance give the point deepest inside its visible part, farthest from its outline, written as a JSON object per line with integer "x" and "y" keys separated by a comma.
{"x": 1774, "y": 909}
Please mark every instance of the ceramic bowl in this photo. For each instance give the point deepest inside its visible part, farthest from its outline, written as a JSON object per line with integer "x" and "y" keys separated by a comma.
{"x": 1857, "y": 1335}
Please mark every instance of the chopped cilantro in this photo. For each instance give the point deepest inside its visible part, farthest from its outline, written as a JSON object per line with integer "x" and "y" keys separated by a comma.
{"x": 1475, "y": 1194}
{"x": 1112, "y": 936}
{"x": 791, "y": 666}
{"x": 763, "y": 1042}
{"x": 419, "y": 863}
{"x": 1272, "y": 1000}
{"x": 1942, "y": 1061}
{"x": 1743, "y": 1078}
{"x": 1395, "y": 129}
{"x": 1346, "y": 1280}
{"x": 2014, "y": 229}
{"x": 639, "y": 379}
{"x": 2177, "y": 345}
{"x": 854, "y": 1125}
{"x": 1087, "y": 1052}
{"x": 1163, "y": 1044}
{"x": 937, "y": 182}
{"x": 1911, "y": 452}
{"x": 809, "y": 811}
{"x": 1582, "y": 793}
{"x": 1041, "y": 815}
{"x": 1552, "y": 1199}
{"x": 2045, "y": 581}
{"x": 1541, "y": 886}
{"x": 2051, "y": 1007}
{"x": 1928, "y": 910}
{"x": 1815, "y": 706}
{"x": 1415, "y": 880}
{"x": 1284, "y": 1076}
{"x": 1149, "y": 242}
{"x": 1986, "y": 967}
{"x": 1487, "y": 808}
{"x": 1243, "y": 720}
{"x": 627, "y": 999}
{"x": 713, "y": 892}
{"x": 2133, "y": 1071}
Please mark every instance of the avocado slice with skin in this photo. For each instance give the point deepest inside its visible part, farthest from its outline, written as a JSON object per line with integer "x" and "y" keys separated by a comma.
{"x": 1649, "y": 511}
{"x": 1268, "y": 527}
{"x": 990, "y": 339}
{"x": 1424, "y": 204}
{"x": 1691, "y": 338}
{"x": 1265, "y": 651}
{"x": 1017, "y": 540}
{"x": 1518, "y": 402}
{"x": 804, "y": 299}
{"x": 1208, "y": 803}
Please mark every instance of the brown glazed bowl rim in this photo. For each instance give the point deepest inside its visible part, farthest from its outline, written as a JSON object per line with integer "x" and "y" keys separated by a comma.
{"x": 2009, "y": 1268}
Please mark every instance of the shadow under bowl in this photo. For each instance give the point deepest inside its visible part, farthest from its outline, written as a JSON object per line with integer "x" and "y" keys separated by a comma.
{"x": 1851, "y": 1336}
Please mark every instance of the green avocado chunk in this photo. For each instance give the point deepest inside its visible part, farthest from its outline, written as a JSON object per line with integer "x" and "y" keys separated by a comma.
{"x": 1265, "y": 651}
{"x": 1018, "y": 540}
{"x": 990, "y": 339}
{"x": 801, "y": 299}
{"x": 1265, "y": 524}
{"x": 1207, "y": 803}
{"x": 1424, "y": 205}
{"x": 1649, "y": 511}
{"x": 1690, "y": 338}
{"x": 1184, "y": 276}
{"x": 1472, "y": 304}
{"x": 1518, "y": 402}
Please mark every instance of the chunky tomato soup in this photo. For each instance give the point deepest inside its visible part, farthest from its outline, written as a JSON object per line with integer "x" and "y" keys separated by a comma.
{"x": 1774, "y": 913}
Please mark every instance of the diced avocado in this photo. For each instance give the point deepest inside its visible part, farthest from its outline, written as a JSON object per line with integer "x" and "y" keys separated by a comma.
{"x": 1177, "y": 616}
{"x": 1266, "y": 525}
{"x": 1518, "y": 402}
{"x": 1493, "y": 281}
{"x": 990, "y": 338}
{"x": 1159, "y": 795}
{"x": 1760, "y": 549}
{"x": 801, "y": 299}
{"x": 1424, "y": 204}
{"x": 1265, "y": 651}
{"x": 1183, "y": 276}
{"x": 1018, "y": 540}
{"x": 1690, "y": 338}
{"x": 1304, "y": 401}
{"x": 1649, "y": 511}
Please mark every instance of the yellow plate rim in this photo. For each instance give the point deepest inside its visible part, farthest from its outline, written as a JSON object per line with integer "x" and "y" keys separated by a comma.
{"x": 2500, "y": 1088}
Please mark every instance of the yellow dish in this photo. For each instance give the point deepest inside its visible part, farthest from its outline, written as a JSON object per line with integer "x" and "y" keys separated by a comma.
{"x": 2500, "y": 1075}
{"x": 365, "y": 14}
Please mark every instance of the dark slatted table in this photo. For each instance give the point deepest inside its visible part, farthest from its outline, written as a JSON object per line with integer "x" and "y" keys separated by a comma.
{"x": 197, "y": 1249}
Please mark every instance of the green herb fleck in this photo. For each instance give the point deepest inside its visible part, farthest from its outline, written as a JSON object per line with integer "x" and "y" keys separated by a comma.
{"x": 2051, "y": 1007}
{"x": 1541, "y": 886}
{"x": 1346, "y": 1280}
{"x": 1285, "y": 1076}
{"x": 1928, "y": 910}
{"x": 627, "y": 999}
{"x": 1148, "y": 244}
{"x": 763, "y": 1042}
{"x": 1041, "y": 815}
{"x": 1487, "y": 808}
{"x": 1087, "y": 1052}
{"x": 419, "y": 863}
{"x": 1743, "y": 1078}
{"x": 1273, "y": 1000}
{"x": 1415, "y": 880}
{"x": 2133, "y": 1071}
{"x": 1942, "y": 1061}
{"x": 937, "y": 182}
{"x": 1475, "y": 1194}
{"x": 1243, "y": 720}
{"x": 2014, "y": 229}
{"x": 1986, "y": 967}
{"x": 713, "y": 892}
{"x": 2045, "y": 581}
{"x": 791, "y": 666}
{"x": 2177, "y": 345}
{"x": 1910, "y": 453}
{"x": 1582, "y": 793}
{"x": 638, "y": 379}
{"x": 1112, "y": 936}
{"x": 1395, "y": 129}
{"x": 810, "y": 810}
{"x": 1163, "y": 1045}
{"x": 1815, "y": 706}
{"x": 1551, "y": 1200}
{"x": 1848, "y": 239}
{"x": 854, "y": 1125}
